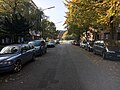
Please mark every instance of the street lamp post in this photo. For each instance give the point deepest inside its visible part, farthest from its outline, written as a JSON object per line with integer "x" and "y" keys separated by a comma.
{"x": 48, "y": 8}
{"x": 40, "y": 18}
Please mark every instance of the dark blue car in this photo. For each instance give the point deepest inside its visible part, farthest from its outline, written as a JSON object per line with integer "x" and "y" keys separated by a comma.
{"x": 108, "y": 49}
{"x": 12, "y": 57}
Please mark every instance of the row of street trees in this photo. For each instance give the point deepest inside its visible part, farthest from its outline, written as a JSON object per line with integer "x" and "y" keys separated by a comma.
{"x": 98, "y": 14}
{"x": 18, "y": 17}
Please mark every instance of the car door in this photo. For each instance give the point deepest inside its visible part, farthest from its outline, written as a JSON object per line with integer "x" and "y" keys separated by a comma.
{"x": 101, "y": 47}
{"x": 25, "y": 54}
{"x": 96, "y": 47}
{"x": 43, "y": 46}
{"x": 31, "y": 52}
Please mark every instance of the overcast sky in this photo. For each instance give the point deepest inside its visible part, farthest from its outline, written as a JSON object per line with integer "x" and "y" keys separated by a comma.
{"x": 56, "y": 14}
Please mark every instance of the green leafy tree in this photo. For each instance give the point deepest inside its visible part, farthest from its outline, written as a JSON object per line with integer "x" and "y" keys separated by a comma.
{"x": 49, "y": 29}
{"x": 81, "y": 14}
{"x": 15, "y": 27}
{"x": 18, "y": 16}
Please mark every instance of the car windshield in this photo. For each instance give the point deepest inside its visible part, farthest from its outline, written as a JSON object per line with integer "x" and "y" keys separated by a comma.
{"x": 9, "y": 50}
{"x": 35, "y": 43}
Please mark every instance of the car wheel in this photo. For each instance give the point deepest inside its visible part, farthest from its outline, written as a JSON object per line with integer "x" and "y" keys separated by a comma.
{"x": 41, "y": 53}
{"x": 33, "y": 57}
{"x": 94, "y": 52}
{"x": 17, "y": 66}
{"x": 88, "y": 49}
{"x": 104, "y": 55}
{"x": 45, "y": 50}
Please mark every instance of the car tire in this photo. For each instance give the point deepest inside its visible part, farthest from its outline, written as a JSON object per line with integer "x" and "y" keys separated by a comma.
{"x": 88, "y": 49}
{"x": 41, "y": 53}
{"x": 46, "y": 51}
{"x": 94, "y": 52}
{"x": 104, "y": 55}
{"x": 33, "y": 57}
{"x": 17, "y": 66}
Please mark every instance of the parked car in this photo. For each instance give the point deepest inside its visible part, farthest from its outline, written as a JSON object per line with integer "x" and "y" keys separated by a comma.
{"x": 77, "y": 43}
{"x": 73, "y": 42}
{"x": 51, "y": 44}
{"x": 108, "y": 49}
{"x": 40, "y": 46}
{"x": 89, "y": 46}
{"x": 13, "y": 57}
{"x": 83, "y": 44}
{"x": 57, "y": 41}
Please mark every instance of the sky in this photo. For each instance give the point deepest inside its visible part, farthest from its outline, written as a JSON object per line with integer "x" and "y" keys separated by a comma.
{"x": 56, "y": 14}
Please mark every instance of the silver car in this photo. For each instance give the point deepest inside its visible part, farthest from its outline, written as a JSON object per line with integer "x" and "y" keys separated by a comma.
{"x": 51, "y": 44}
{"x": 40, "y": 47}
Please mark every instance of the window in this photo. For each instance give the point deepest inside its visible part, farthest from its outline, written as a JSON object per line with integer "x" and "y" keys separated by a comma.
{"x": 25, "y": 48}
{"x": 31, "y": 46}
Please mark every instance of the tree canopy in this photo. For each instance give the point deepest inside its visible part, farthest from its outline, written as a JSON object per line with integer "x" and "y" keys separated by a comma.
{"x": 91, "y": 13}
{"x": 49, "y": 29}
{"x": 19, "y": 16}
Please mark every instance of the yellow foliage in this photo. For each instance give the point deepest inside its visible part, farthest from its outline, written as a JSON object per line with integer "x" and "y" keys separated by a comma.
{"x": 91, "y": 12}
{"x": 64, "y": 35}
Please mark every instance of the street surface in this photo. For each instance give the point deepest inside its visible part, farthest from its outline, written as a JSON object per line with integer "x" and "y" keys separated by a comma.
{"x": 65, "y": 67}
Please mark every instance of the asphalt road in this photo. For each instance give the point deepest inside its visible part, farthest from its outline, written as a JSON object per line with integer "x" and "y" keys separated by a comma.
{"x": 65, "y": 67}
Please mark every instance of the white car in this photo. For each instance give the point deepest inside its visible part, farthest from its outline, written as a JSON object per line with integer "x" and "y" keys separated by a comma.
{"x": 51, "y": 44}
{"x": 83, "y": 44}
